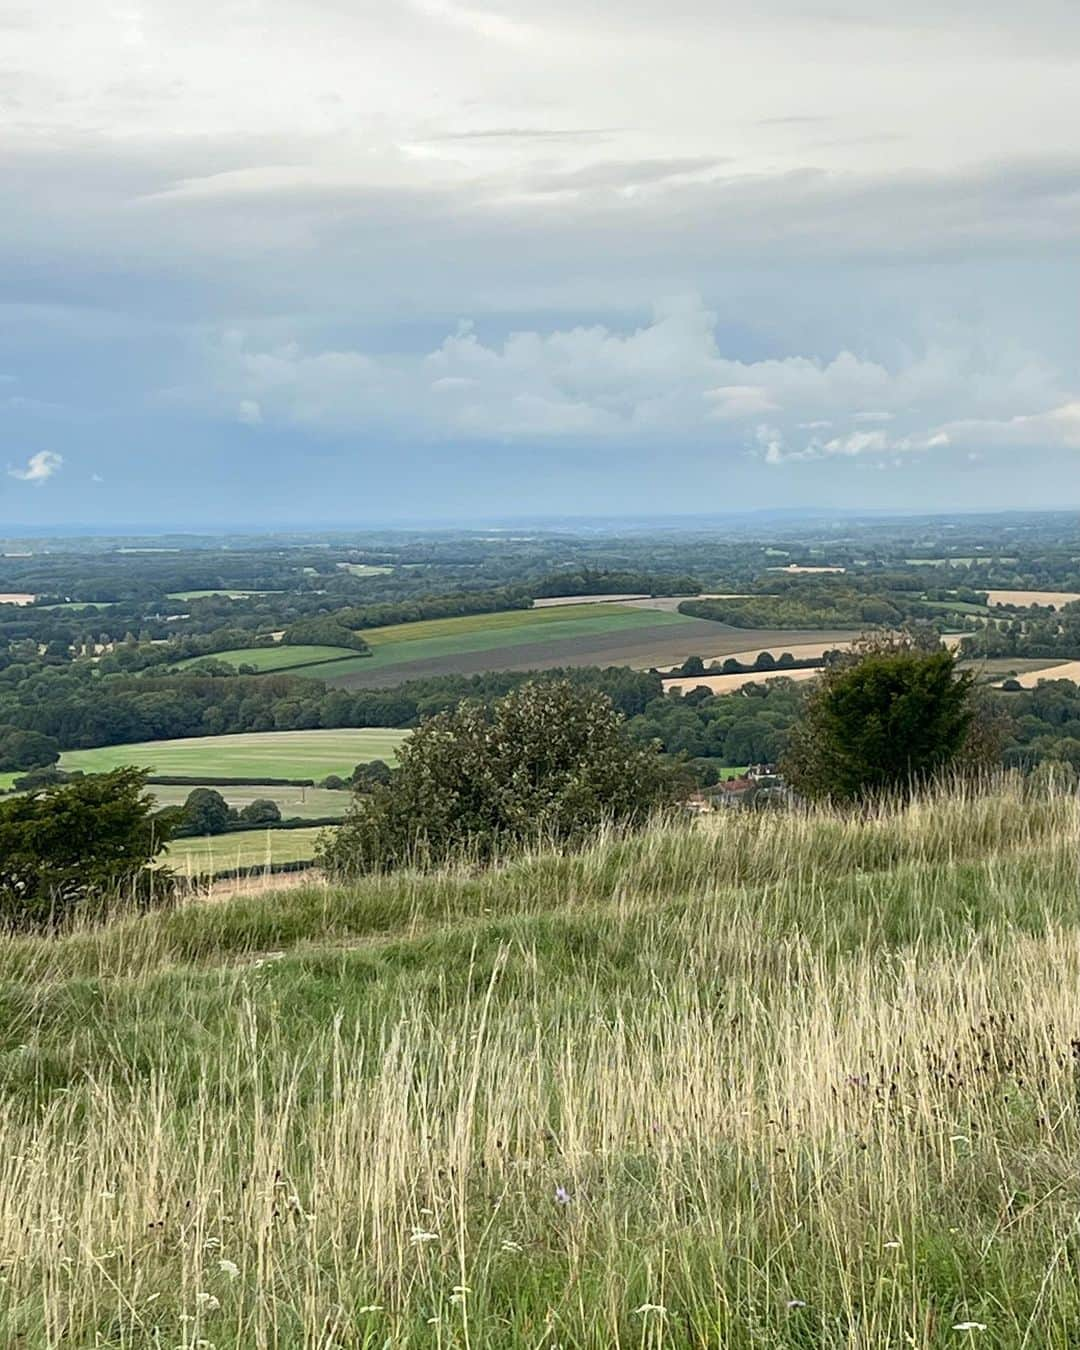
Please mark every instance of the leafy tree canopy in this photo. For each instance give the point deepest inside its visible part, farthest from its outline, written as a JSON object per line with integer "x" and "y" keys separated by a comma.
{"x": 549, "y": 761}
{"x": 891, "y": 716}
{"x": 90, "y": 838}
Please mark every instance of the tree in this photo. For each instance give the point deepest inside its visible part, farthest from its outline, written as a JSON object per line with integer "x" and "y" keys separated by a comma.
{"x": 261, "y": 811}
{"x": 549, "y": 761}
{"x": 206, "y": 812}
{"x": 375, "y": 773}
{"x": 889, "y": 717}
{"x": 26, "y": 750}
{"x": 88, "y": 839}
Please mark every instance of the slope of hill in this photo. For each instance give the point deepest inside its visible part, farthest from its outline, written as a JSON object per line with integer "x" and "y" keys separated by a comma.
{"x": 765, "y": 1080}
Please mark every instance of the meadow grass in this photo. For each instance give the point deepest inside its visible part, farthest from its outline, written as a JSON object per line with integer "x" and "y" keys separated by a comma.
{"x": 275, "y": 754}
{"x": 247, "y": 849}
{"x": 761, "y": 1080}
{"x": 279, "y": 658}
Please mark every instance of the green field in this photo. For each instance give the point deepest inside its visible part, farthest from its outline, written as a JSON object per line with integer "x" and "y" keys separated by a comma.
{"x": 277, "y": 658}
{"x": 365, "y": 569}
{"x": 316, "y": 803}
{"x": 404, "y": 644}
{"x": 794, "y": 1081}
{"x": 250, "y": 849}
{"x": 275, "y": 754}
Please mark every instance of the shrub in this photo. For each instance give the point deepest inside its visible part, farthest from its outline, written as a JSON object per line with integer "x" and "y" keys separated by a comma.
{"x": 261, "y": 811}
{"x": 87, "y": 839}
{"x": 888, "y": 718}
{"x": 549, "y": 761}
{"x": 206, "y": 812}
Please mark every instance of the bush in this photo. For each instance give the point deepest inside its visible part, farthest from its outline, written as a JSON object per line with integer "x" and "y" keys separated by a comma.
{"x": 26, "y": 750}
{"x": 87, "y": 840}
{"x": 549, "y": 761}
{"x": 206, "y": 812}
{"x": 888, "y": 718}
{"x": 262, "y": 811}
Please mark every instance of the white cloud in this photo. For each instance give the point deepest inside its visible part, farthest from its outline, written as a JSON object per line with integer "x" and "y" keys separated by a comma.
{"x": 39, "y": 467}
{"x": 663, "y": 380}
{"x": 248, "y": 412}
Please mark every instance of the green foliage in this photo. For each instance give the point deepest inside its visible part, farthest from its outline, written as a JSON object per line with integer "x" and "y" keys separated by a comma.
{"x": 548, "y": 761}
{"x": 87, "y": 839}
{"x": 206, "y": 812}
{"x": 375, "y": 773}
{"x": 26, "y": 750}
{"x": 889, "y": 718}
{"x": 262, "y": 811}
{"x": 325, "y": 631}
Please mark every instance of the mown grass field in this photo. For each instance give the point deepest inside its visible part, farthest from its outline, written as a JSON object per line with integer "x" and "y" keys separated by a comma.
{"x": 782, "y": 1081}
{"x": 248, "y": 849}
{"x": 277, "y": 658}
{"x": 316, "y": 803}
{"x": 273, "y": 754}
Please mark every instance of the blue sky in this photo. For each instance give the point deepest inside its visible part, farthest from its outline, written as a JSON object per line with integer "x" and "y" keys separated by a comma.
{"x": 336, "y": 260}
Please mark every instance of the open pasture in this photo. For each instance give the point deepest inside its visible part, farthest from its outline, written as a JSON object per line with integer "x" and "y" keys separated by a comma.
{"x": 279, "y": 658}
{"x": 246, "y": 849}
{"x": 314, "y": 803}
{"x": 273, "y": 754}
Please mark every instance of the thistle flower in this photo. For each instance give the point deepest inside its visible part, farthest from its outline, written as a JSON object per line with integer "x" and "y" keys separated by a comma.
{"x": 562, "y": 1195}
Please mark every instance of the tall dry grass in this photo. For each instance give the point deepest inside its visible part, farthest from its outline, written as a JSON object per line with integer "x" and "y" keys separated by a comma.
{"x": 764, "y": 1081}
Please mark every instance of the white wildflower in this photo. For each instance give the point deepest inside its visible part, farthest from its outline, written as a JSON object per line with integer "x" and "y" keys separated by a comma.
{"x": 419, "y": 1236}
{"x": 647, "y": 1308}
{"x": 510, "y": 1246}
{"x": 796, "y": 1303}
{"x": 969, "y": 1326}
{"x": 207, "y": 1301}
{"x": 892, "y": 1246}
{"x": 370, "y": 1308}
{"x": 229, "y": 1268}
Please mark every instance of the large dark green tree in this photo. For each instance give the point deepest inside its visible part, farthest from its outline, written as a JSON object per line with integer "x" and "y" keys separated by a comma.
{"x": 89, "y": 839}
{"x": 549, "y": 762}
{"x": 888, "y": 718}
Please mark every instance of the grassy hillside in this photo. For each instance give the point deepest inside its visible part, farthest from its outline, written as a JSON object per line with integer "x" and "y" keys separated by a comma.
{"x": 766, "y": 1081}
{"x": 275, "y": 754}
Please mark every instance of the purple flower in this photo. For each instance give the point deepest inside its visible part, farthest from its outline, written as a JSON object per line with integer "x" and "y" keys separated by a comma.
{"x": 562, "y": 1195}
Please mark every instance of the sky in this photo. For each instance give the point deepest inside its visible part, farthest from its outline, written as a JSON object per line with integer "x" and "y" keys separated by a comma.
{"x": 343, "y": 261}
